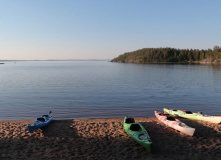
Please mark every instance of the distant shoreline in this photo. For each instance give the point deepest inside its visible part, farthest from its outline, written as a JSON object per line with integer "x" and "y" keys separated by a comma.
{"x": 191, "y": 63}
{"x": 171, "y": 55}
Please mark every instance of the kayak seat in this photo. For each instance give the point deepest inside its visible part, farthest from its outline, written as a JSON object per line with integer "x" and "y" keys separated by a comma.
{"x": 130, "y": 120}
{"x": 163, "y": 114}
{"x": 41, "y": 119}
{"x": 45, "y": 116}
{"x": 189, "y": 112}
{"x": 135, "y": 127}
{"x": 174, "y": 110}
{"x": 171, "y": 118}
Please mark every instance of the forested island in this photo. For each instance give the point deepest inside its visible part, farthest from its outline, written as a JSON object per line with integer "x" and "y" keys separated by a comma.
{"x": 171, "y": 55}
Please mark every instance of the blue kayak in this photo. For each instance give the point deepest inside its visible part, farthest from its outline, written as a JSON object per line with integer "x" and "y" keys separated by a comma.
{"x": 42, "y": 121}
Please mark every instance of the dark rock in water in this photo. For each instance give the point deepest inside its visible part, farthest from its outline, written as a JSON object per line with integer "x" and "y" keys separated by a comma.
{"x": 2, "y": 63}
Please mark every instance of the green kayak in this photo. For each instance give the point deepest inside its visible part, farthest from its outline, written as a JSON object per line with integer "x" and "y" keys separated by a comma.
{"x": 136, "y": 131}
{"x": 190, "y": 115}
{"x": 172, "y": 112}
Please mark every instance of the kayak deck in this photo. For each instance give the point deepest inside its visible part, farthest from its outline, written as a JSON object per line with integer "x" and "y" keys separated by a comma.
{"x": 175, "y": 123}
{"x": 41, "y": 122}
{"x": 136, "y": 131}
{"x": 191, "y": 115}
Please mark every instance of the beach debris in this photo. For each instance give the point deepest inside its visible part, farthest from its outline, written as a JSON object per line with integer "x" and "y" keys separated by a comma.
{"x": 164, "y": 127}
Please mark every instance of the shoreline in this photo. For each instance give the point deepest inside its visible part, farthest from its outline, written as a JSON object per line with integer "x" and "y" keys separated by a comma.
{"x": 105, "y": 138}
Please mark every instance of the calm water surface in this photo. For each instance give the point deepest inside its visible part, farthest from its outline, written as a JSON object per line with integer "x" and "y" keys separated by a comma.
{"x": 100, "y": 89}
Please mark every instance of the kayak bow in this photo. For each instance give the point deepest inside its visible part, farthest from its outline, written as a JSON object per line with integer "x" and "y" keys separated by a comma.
{"x": 42, "y": 121}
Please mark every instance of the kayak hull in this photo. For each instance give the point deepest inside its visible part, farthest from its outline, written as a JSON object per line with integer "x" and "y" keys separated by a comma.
{"x": 39, "y": 123}
{"x": 141, "y": 136}
{"x": 195, "y": 116}
{"x": 175, "y": 124}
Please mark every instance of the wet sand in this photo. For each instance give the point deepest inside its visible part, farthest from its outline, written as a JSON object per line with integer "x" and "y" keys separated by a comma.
{"x": 104, "y": 139}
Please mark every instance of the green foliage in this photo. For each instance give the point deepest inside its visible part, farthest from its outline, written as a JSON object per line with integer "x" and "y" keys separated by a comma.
{"x": 168, "y": 55}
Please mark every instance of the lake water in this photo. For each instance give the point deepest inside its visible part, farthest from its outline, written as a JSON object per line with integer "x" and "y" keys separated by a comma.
{"x": 101, "y": 89}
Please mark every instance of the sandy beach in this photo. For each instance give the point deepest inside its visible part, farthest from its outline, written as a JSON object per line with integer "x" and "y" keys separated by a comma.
{"x": 106, "y": 139}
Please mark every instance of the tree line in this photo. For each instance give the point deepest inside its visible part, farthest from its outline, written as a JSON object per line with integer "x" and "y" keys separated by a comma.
{"x": 169, "y": 55}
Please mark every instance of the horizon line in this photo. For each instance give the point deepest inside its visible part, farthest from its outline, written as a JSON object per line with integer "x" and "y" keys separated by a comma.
{"x": 57, "y": 60}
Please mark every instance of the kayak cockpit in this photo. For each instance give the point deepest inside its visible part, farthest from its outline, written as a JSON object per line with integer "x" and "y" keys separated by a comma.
{"x": 41, "y": 119}
{"x": 171, "y": 118}
{"x": 135, "y": 127}
{"x": 163, "y": 114}
{"x": 129, "y": 120}
{"x": 187, "y": 112}
{"x": 45, "y": 115}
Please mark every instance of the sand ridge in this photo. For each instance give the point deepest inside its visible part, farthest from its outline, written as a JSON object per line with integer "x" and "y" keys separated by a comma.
{"x": 106, "y": 139}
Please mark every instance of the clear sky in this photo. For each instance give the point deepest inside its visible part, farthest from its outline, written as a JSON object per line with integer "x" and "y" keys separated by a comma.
{"x": 104, "y": 29}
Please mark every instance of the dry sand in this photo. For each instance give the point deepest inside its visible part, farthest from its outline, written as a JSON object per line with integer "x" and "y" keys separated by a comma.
{"x": 105, "y": 139}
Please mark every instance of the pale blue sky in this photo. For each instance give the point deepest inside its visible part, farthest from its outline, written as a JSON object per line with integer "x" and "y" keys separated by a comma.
{"x": 104, "y": 29}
